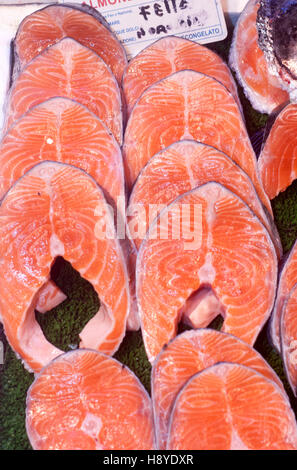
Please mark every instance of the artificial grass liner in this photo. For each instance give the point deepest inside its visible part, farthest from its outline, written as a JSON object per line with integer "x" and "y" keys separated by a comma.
{"x": 285, "y": 212}
{"x": 14, "y": 383}
{"x": 62, "y": 325}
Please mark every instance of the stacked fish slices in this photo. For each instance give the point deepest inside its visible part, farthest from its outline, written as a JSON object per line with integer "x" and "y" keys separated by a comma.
{"x": 61, "y": 179}
{"x": 262, "y": 55}
{"x": 212, "y": 391}
{"x": 186, "y": 145}
{"x": 207, "y": 247}
{"x": 263, "y": 89}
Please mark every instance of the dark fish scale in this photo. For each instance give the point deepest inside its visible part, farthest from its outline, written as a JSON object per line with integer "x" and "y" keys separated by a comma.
{"x": 277, "y": 29}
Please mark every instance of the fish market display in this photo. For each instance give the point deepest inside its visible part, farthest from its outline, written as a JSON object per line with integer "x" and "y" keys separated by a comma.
{"x": 58, "y": 210}
{"x": 70, "y": 70}
{"x": 85, "y": 400}
{"x": 184, "y": 106}
{"x": 172, "y": 54}
{"x": 287, "y": 280}
{"x": 263, "y": 89}
{"x": 278, "y": 160}
{"x": 178, "y": 169}
{"x": 276, "y": 24}
{"x": 232, "y": 407}
{"x": 206, "y": 237}
{"x": 49, "y": 25}
{"x": 288, "y": 335}
{"x": 62, "y": 130}
{"x": 188, "y": 354}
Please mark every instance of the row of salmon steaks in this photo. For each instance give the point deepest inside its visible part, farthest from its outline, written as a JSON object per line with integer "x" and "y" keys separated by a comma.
{"x": 197, "y": 240}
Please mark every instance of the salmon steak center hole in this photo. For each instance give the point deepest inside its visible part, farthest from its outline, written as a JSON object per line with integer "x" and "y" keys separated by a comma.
{"x": 61, "y": 324}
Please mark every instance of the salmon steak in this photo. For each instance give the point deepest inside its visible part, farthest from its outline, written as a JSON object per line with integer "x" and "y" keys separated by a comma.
{"x": 263, "y": 89}
{"x": 62, "y": 130}
{"x": 278, "y": 160}
{"x": 232, "y": 407}
{"x": 70, "y": 70}
{"x": 188, "y": 354}
{"x": 288, "y": 336}
{"x": 47, "y": 26}
{"x": 169, "y": 55}
{"x": 179, "y": 168}
{"x": 185, "y": 106}
{"x": 207, "y": 238}
{"x": 58, "y": 210}
{"x": 85, "y": 400}
{"x": 287, "y": 280}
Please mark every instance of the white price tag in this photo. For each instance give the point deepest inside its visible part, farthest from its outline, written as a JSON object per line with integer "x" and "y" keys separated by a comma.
{"x": 139, "y": 23}
{"x": 234, "y": 6}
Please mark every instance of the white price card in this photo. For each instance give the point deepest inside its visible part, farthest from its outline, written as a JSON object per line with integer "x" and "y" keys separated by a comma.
{"x": 139, "y": 23}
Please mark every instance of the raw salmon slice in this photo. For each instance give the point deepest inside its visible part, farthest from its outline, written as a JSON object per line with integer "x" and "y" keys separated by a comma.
{"x": 46, "y": 27}
{"x": 232, "y": 407}
{"x": 169, "y": 55}
{"x": 49, "y": 297}
{"x": 287, "y": 280}
{"x": 247, "y": 59}
{"x": 180, "y": 168}
{"x": 185, "y": 106}
{"x": 62, "y": 130}
{"x": 278, "y": 161}
{"x": 70, "y": 70}
{"x": 188, "y": 354}
{"x": 58, "y": 210}
{"x": 84, "y": 400}
{"x": 288, "y": 334}
{"x": 207, "y": 237}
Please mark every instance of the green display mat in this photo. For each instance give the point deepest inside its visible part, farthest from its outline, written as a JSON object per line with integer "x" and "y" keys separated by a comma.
{"x": 62, "y": 325}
